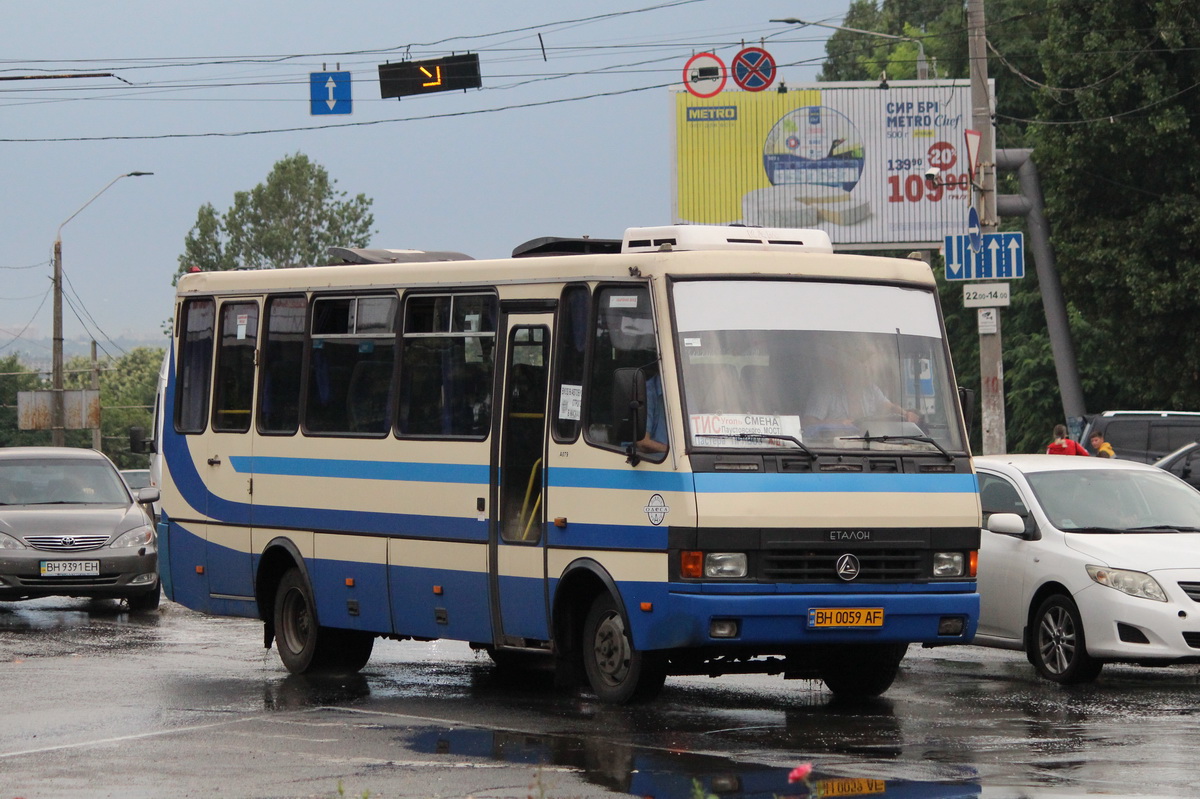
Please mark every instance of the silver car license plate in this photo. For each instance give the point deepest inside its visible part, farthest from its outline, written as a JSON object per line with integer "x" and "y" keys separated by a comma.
{"x": 70, "y": 568}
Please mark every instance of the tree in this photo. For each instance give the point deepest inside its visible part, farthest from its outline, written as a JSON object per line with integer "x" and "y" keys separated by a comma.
{"x": 1016, "y": 29}
{"x": 1121, "y": 149}
{"x": 291, "y": 219}
{"x": 127, "y": 388}
{"x": 15, "y": 377}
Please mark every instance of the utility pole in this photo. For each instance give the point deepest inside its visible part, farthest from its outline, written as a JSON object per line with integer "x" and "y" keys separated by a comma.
{"x": 96, "y": 442}
{"x": 991, "y": 362}
{"x": 58, "y": 427}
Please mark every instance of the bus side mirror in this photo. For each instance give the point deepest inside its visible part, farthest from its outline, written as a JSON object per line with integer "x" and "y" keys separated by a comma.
{"x": 629, "y": 406}
{"x": 138, "y": 443}
{"x": 966, "y": 400}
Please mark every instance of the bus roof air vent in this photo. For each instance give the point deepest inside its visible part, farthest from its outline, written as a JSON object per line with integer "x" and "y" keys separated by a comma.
{"x": 354, "y": 255}
{"x": 725, "y": 237}
{"x": 560, "y": 245}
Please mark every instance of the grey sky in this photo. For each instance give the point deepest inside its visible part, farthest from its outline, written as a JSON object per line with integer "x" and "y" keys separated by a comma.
{"x": 478, "y": 172}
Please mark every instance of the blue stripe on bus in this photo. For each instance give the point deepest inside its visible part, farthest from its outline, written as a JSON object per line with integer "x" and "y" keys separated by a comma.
{"x": 363, "y": 470}
{"x": 644, "y": 480}
{"x": 582, "y": 535}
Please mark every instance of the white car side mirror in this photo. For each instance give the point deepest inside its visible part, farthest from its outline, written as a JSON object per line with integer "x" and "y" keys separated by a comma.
{"x": 1006, "y": 524}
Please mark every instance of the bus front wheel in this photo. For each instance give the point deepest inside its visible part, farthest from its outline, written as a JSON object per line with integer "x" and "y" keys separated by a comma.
{"x": 305, "y": 647}
{"x": 618, "y": 672}
{"x": 861, "y": 671}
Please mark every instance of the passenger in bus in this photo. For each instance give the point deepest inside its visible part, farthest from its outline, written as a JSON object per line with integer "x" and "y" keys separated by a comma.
{"x": 846, "y": 396}
{"x": 655, "y": 439}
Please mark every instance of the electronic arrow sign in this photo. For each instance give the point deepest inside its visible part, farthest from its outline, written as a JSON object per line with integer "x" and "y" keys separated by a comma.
{"x": 434, "y": 75}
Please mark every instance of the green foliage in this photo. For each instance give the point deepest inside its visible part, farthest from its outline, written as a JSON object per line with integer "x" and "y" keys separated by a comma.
{"x": 1104, "y": 93}
{"x": 127, "y": 388}
{"x": 1124, "y": 166}
{"x": 14, "y": 377}
{"x": 291, "y": 219}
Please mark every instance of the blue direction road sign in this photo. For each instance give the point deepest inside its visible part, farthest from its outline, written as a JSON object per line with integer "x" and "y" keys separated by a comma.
{"x": 974, "y": 233}
{"x": 329, "y": 93}
{"x": 1001, "y": 255}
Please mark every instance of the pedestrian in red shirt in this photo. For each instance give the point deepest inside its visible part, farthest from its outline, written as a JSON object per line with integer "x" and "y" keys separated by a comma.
{"x": 1061, "y": 445}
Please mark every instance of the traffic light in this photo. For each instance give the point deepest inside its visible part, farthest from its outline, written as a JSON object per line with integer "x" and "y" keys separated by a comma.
{"x": 434, "y": 75}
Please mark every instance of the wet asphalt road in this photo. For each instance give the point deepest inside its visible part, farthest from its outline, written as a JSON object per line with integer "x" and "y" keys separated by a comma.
{"x": 99, "y": 703}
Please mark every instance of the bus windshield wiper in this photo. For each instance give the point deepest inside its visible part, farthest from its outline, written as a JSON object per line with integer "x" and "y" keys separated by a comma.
{"x": 1165, "y": 528}
{"x": 760, "y": 437}
{"x": 884, "y": 439}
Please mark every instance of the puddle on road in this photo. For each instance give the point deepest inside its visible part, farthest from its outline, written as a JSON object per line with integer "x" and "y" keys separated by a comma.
{"x": 651, "y": 772}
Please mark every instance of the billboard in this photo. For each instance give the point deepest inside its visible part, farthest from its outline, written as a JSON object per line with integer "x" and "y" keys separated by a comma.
{"x": 847, "y": 158}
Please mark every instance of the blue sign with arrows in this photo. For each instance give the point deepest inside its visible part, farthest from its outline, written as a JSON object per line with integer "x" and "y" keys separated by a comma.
{"x": 329, "y": 93}
{"x": 1000, "y": 256}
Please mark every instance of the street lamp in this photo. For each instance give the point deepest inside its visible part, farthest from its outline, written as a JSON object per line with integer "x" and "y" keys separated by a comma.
{"x": 922, "y": 68}
{"x": 58, "y": 430}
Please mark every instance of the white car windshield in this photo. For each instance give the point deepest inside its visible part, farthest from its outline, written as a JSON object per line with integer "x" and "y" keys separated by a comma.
{"x": 774, "y": 363}
{"x": 1116, "y": 501}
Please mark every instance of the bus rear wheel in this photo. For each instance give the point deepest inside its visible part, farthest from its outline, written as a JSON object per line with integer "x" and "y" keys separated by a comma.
{"x": 861, "y": 671}
{"x": 618, "y": 672}
{"x": 304, "y": 646}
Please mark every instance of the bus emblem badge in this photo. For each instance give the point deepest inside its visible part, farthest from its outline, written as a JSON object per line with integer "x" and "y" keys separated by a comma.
{"x": 847, "y": 567}
{"x": 656, "y": 509}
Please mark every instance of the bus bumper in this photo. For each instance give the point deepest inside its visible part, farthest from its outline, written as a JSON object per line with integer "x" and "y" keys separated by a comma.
{"x": 685, "y": 619}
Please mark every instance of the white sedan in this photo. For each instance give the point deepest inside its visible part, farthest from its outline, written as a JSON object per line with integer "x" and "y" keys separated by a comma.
{"x": 1085, "y": 561}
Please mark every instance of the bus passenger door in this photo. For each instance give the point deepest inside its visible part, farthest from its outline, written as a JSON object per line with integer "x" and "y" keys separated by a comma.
{"x": 517, "y": 559}
{"x": 229, "y": 461}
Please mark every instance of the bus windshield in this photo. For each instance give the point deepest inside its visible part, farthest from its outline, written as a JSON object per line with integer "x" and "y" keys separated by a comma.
{"x": 808, "y": 364}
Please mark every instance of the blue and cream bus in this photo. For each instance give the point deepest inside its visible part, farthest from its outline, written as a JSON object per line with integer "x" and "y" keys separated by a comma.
{"x": 697, "y": 450}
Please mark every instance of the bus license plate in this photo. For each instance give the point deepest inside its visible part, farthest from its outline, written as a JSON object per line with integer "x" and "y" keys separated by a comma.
{"x": 850, "y": 787}
{"x": 70, "y": 568}
{"x": 845, "y": 617}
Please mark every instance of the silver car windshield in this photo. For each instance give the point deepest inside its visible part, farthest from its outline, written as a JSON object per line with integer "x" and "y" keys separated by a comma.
{"x": 31, "y": 481}
{"x": 803, "y": 364}
{"x": 1116, "y": 501}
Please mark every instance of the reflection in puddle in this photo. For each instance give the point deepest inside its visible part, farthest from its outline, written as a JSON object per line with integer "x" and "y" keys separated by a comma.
{"x": 664, "y": 773}
{"x": 299, "y": 691}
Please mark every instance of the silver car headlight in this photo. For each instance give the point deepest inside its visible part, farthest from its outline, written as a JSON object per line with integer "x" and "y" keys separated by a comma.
{"x": 1137, "y": 584}
{"x": 8, "y": 542}
{"x": 137, "y": 537}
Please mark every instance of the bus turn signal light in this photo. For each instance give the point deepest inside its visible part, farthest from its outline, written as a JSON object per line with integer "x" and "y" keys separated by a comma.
{"x": 691, "y": 564}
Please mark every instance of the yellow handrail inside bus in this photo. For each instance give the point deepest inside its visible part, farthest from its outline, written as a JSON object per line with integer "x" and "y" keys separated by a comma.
{"x": 533, "y": 473}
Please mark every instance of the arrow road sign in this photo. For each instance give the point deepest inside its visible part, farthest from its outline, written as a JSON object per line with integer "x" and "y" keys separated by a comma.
{"x": 974, "y": 229}
{"x": 1001, "y": 255}
{"x": 329, "y": 93}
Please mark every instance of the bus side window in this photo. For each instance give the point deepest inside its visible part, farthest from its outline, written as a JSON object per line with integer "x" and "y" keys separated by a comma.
{"x": 447, "y": 365}
{"x": 623, "y": 338}
{"x": 195, "y": 365}
{"x": 350, "y": 366}
{"x": 235, "y": 367}
{"x": 282, "y": 358}
{"x": 571, "y": 343}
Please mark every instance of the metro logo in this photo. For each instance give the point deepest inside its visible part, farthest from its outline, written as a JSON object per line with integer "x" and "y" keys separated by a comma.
{"x": 712, "y": 113}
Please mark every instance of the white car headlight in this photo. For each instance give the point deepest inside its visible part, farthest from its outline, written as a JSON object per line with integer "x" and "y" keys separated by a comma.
{"x": 137, "y": 537}
{"x": 8, "y": 542}
{"x": 1137, "y": 584}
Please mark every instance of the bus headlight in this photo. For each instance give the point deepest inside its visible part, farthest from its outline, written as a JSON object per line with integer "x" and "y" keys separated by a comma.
{"x": 725, "y": 564}
{"x": 949, "y": 564}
